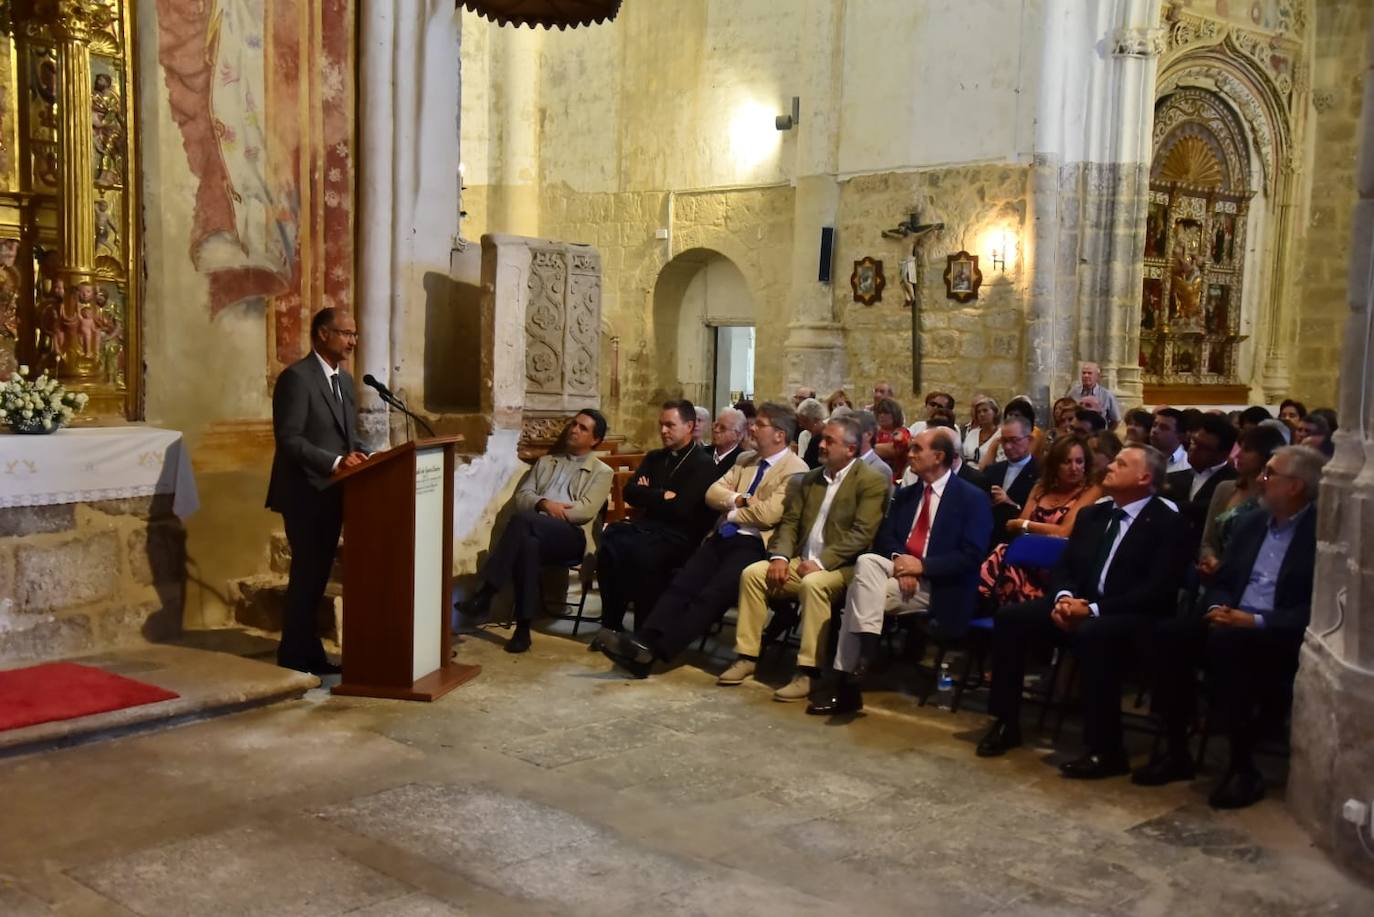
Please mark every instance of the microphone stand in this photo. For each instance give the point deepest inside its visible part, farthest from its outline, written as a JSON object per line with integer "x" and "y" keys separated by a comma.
{"x": 399, "y": 405}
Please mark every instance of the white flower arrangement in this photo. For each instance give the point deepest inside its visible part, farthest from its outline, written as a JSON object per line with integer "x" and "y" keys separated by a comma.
{"x": 39, "y": 405}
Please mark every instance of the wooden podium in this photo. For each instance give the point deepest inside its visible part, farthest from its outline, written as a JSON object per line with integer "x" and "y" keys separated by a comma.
{"x": 397, "y": 574}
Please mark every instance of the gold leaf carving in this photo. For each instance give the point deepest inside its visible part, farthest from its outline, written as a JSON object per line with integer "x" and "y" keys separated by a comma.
{"x": 1192, "y": 161}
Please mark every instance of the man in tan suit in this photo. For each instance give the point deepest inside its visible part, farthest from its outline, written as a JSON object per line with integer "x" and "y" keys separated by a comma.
{"x": 557, "y": 510}
{"x": 830, "y": 515}
{"x": 749, "y": 499}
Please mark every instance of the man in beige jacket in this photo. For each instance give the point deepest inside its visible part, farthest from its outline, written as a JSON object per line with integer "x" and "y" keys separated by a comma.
{"x": 557, "y": 506}
{"x": 749, "y": 499}
{"x": 830, "y": 515}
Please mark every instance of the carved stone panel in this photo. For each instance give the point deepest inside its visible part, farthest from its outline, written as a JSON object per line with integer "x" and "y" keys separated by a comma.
{"x": 562, "y": 327}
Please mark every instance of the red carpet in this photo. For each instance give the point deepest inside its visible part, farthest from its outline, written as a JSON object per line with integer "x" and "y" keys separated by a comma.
{"x": 65, "y": 690}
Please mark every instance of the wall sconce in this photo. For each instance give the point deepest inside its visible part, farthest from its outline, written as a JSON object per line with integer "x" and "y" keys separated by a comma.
{"x": 1002, "y": 249}
{"x": 789, "y": 121}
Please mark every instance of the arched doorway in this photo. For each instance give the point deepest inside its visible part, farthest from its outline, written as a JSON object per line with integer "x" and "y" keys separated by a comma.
{"x": 704, "y": 329}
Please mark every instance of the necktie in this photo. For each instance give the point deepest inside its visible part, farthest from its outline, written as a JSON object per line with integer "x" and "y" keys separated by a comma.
{"x": 1104, "y": 547}
{"x": 334, "y": 382}
{"x": 920, "y": 533}
{"x": 730, "y": 529}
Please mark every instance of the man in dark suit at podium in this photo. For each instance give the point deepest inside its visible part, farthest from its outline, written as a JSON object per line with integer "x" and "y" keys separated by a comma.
{"x": 315, "y": 425}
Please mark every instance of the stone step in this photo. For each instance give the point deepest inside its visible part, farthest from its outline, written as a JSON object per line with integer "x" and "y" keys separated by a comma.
{"x": 259, "y": 602}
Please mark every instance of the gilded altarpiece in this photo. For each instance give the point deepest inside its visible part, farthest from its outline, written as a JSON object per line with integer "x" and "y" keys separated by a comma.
{"x": 68, "y": 200}
{"x": 1195, "y": 244}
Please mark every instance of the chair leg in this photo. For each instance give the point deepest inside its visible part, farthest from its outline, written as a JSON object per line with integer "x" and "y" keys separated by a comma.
{"x": 1047, "y": 698}
{"x": 581, "y": 607}
{"x": 1064, "y": 703}
{"x": 962, "y": 683}
{"x": 935, "y": 674}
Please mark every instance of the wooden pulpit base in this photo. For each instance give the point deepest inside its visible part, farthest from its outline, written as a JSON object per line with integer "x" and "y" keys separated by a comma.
{"x": 432, "y": 687}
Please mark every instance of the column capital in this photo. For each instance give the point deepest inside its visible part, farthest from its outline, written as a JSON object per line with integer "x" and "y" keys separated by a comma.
{"x": 1137, "y": 41}
{"x": 73, "y": 20}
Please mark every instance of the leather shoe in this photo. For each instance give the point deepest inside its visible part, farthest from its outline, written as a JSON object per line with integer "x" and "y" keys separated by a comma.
{"x": 1000, "y": 738}
{"x": 1094, "y": 766}
{"x": 1165, "y": 768}
{"x": 844, "y": 699}
{"x": 1237, "y": 790}
{"x": 627, "y": 653}
{"x": 519, "y": 642}
{"x": 326, "y": 668}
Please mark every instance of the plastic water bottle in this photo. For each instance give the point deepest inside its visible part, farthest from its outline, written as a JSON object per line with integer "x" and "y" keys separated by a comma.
{"x": 945, "y": 685}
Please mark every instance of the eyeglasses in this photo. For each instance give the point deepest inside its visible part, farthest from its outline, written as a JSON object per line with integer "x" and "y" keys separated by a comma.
{"x": 346, "y": 335}
{"x": 1268, "y": 473}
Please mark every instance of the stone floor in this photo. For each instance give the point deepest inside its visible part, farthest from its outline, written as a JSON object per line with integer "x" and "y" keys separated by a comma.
{"x": 551, "y": 785}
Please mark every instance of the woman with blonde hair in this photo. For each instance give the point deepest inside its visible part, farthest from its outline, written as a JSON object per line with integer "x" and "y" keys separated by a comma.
{"x": 984, "y": 431}
{"x": 838, "y": 398}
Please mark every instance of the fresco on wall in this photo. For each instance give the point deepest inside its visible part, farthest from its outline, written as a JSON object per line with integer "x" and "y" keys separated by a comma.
{"x": 262, "y": 91}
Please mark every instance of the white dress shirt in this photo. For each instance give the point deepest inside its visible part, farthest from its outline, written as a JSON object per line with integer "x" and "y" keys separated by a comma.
{"x": 1200, "y": 478}
{"x": 937, "y": 493}
{"x": 815, "y": 539}
{"x": 1132, "y": 511}
{"x": 1178, "y": 461}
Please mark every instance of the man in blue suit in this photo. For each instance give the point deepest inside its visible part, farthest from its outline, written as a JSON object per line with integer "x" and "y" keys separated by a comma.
{"x": 925, "y": 559}
{"x": 1248, "y": 635}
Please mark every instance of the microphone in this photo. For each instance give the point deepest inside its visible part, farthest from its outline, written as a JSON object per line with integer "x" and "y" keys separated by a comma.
{"x": 390, "y": 398}
{"x": 371, "y": 380}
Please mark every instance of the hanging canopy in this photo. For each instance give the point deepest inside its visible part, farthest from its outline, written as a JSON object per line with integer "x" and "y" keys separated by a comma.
{"x": 548, "y": 13}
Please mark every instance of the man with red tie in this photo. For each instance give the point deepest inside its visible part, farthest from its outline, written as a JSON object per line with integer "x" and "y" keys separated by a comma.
{"x": 925, "y": 560}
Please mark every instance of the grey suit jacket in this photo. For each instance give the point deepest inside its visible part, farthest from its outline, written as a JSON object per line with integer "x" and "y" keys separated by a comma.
{"x": 589, "y": 490}
{"x": 311, "y": 429}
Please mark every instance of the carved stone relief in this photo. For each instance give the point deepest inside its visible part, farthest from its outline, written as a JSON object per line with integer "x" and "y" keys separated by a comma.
{"x": 563, "y": 322}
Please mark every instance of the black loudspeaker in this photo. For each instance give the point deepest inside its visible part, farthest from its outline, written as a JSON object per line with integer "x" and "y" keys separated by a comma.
{"x": 827, "y": 253}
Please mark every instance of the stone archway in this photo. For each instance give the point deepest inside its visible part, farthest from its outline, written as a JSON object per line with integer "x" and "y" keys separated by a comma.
{"x": 696, "y": 293}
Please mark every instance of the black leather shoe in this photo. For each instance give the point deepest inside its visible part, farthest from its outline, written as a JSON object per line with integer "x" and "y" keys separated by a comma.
{"x": 1093, "y": 766}
{"x": 473, "y": 610}
{"x": 519, "y": 642}
{"x": 1165, "y": 768}
{"x": 844, "y": 699}
{"x": 1000, "y": 738}
{"x": 326, "y": 668}
{"x": 620, "y": 645}
{"x": 1237, "y": 790}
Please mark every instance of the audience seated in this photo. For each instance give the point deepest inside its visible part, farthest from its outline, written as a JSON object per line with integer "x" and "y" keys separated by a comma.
{"x": 800, "y": 394}
{"x": 893, "y": 438}
{"x": 830, "y": 515}
{"x": 925, "y": 559}
{"x": 810, "y": 421}
{"x": 1315, "y": 433}
{"x": 1329, "y": 415}
{"x": 749, "y": 498}
{"x": 1191, "y": 490}
{"x": 1051, "y": 507}
{"x": 727, "y": 438}
{"x": 703, "y": 427}
{"x": 668, "y": 488}
{"x": 1118, "y": 575}
{"x": 1087, "y": 422}
{"x": 1248, "y": 634}
{"x": 1236, "y": 497}
{"x": 1138, "y": 424}
{"x": 935, "y": 402}
{"x": 558, "y": 508}
{"x": 1104, "y": 447}
{"x": 1281, "y": 427}
{"x": 881, "y": 389}
{"x": 1291, "y": 413}
{"x": 868, "y": 436}
{"x": 1062, "y": 413}
{"x": 1252, "y": 416}
{"x": 1166, "y": 435}
{"x": 1192, "y": 422}
{"x": 984, "y": 430}
{"x": 836, "y": 399}
{"x": 1013, "y": 478}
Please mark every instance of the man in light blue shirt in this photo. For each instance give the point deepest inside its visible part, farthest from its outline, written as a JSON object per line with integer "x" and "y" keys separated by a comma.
{"x": 1249, "y": 635}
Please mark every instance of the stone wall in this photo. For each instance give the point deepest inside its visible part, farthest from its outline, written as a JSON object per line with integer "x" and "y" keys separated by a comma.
{"x": 1337, "y": 75}
{"x": 967, "y": 348}
{"x": 85, "y": 577}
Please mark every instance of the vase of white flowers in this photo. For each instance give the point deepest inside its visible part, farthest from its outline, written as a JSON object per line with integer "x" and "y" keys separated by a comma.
{"x": 39, "y": 405}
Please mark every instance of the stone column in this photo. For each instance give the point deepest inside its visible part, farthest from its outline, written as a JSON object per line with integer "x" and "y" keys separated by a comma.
{"x": 515, "y": 203}
{"x": 1333, "y": 707}
{"x": 1088, "y": 191}
{"x": 408, "y": 190}
{"x": 814, "y": 349}
{"x": 71, "y": 25}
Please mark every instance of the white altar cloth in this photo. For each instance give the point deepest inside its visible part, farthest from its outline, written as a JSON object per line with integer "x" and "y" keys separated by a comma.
{"x": 96, "y": 463}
